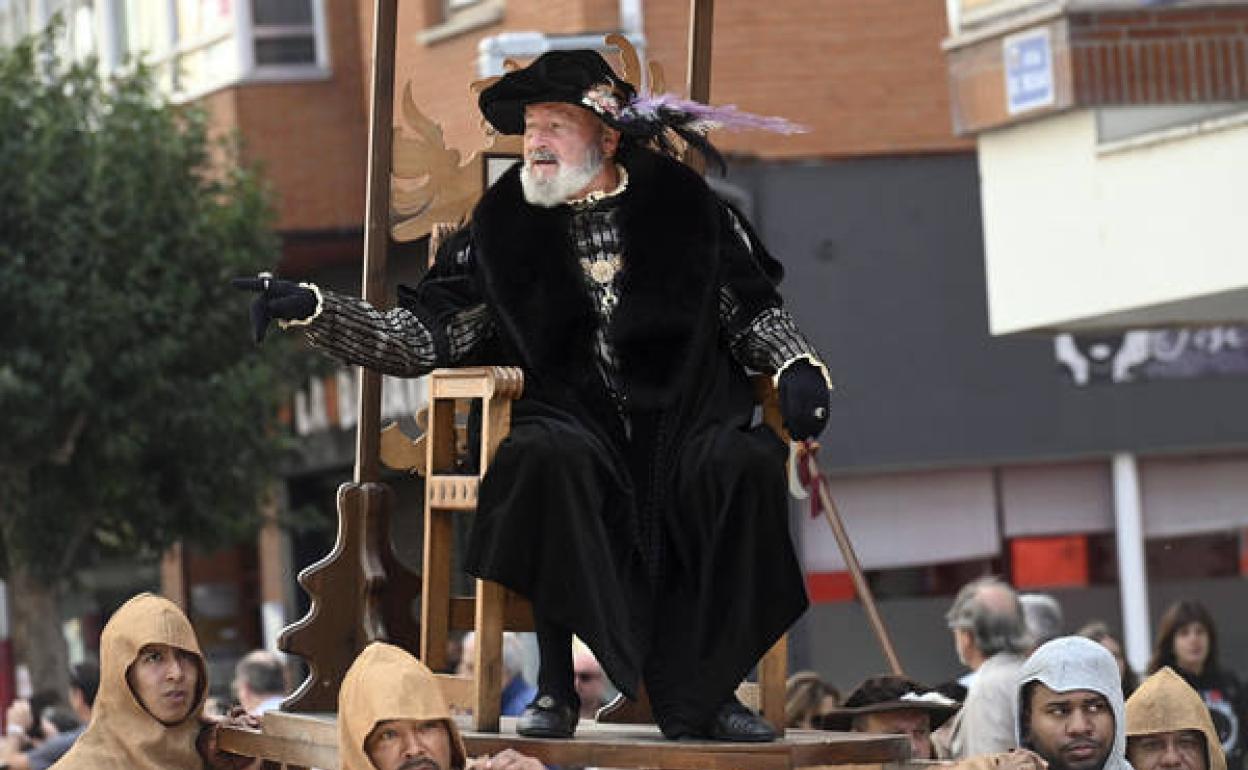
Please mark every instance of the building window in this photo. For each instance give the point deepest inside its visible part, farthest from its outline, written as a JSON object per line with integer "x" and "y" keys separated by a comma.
{"x": 284, "y": 33}
{"x": 453, "y": 18}
{"x": 193, "y": 46}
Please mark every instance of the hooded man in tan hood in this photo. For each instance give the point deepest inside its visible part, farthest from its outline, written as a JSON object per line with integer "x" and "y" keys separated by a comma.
{"x": 391, "y": 716}
{"x": 1169, "y": 728}
{"x": 152, "y": 685}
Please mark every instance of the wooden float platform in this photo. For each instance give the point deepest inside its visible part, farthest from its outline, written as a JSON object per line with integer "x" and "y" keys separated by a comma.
{"x": 311, "y": 741}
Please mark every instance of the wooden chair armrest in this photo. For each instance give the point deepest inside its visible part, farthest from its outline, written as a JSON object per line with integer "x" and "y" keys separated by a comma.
{"x": 477, "y": 382}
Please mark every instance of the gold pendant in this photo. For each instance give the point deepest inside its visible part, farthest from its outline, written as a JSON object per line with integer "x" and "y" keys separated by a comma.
{"x": 603, "y": 270}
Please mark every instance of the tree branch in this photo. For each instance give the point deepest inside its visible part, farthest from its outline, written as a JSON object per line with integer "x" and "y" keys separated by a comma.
{"x": 74, "y": 544}
{"x": 66, "y": 451}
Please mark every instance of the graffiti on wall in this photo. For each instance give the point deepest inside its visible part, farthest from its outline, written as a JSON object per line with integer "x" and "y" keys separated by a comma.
{"x": 1144, "y": 355}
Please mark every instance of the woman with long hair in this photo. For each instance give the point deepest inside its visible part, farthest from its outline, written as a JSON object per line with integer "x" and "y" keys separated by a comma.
{"x": 1187, "y": 641}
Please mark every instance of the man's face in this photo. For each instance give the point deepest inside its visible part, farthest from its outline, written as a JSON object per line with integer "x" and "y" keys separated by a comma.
{"x": 409, "y": 744}
{"x": 1072, "y": 730}
{"x": 590, "y": 683}
{"x": 913, "y": 723}
{"x": 564, "y": 151}
{"x": 962, "y": 640}
{"x": 164, "y": 680}
{"x": 1175, "y": 750}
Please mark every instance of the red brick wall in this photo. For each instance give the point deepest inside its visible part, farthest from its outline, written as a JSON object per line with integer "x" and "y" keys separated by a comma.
{"x": 1161, "y": 56}
{"x": 866, "y": 77}
{"x": 439, "y": 75}
{"x": 565, "y": 16}
{"x": 310, "y": 137}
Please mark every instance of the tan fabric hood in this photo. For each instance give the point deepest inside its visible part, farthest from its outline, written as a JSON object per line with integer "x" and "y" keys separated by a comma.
{"x": 1165, "y": 703}
{"x": 122, "y": 735}
{"x": 384, "y": 683}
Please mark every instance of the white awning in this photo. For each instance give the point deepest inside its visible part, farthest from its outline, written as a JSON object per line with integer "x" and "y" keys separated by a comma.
{"x": 1066, "y": 499}
{"x": 907, "y": 519}
{"x": 1187, "y": 496}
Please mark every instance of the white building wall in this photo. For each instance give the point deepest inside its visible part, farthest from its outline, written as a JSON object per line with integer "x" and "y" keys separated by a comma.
{"x": 1075, "y": 231}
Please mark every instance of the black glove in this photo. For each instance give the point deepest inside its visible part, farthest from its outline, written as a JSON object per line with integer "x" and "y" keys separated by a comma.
{"x": 803, "y": 400}
{"x": 286, "y": 300}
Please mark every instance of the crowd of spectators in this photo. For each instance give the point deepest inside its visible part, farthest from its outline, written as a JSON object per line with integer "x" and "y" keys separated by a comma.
{"x": 1034, "y": 698}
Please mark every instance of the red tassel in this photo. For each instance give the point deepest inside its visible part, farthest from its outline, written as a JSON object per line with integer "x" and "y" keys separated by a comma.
{"x": 809, "y": 475}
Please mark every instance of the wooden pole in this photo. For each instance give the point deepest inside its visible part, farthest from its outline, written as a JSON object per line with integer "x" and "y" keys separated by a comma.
{"x": 701, "y": 30}
{"x": 376, "y": 226}
{"x": 855, "y": 569}
{"x": 698, "y": 82}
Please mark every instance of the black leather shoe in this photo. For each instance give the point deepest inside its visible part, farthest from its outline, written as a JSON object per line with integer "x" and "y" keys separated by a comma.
{"x": 549, "y": 717}
{"x": 734, "y": 722}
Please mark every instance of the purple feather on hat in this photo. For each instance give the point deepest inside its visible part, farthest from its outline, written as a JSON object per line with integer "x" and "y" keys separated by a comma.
{"x": 699, "y": 117}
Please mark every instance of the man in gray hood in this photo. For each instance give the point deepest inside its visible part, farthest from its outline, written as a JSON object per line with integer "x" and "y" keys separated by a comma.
{"x": 1070, "y": 708}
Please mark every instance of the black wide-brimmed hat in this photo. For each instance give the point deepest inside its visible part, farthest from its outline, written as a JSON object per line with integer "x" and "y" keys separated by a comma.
{"x": 889, "y": 693}
{"x": 580, "y": 77}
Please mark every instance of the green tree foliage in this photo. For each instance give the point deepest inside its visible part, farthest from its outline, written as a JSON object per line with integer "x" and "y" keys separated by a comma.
{"x": 134, "y": 409}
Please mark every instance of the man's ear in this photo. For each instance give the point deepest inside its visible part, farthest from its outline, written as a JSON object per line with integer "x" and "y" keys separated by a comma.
{"x": 1024, "y": 715}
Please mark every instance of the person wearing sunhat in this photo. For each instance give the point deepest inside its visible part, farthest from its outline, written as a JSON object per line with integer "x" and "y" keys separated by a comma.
{"x": 893, "y": 705}
{"x": 634, "y": 502}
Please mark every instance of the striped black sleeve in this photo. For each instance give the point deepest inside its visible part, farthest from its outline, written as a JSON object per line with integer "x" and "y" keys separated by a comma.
{"x": 394, "y": 342}
{"x": 439, "y": 322}
{"x": 769, "y": 341}
{"x": 760, "y": 333}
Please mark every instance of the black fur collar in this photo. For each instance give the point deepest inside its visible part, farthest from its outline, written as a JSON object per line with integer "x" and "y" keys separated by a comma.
{"x": 669, "y": 223}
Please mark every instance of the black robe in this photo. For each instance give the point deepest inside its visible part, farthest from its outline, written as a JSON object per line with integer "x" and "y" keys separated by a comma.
{"x": 665, "y": 548}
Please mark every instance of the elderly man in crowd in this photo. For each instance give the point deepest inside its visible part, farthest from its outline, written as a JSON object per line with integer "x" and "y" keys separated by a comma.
{"x": 1042, "y": 614}
{"x": 893, "y": 705}
{"x": 1169, "y": 727}
{"x": 990, "y": 638}
{"x": 391, "y": 715}
{"x": 516, "y": 692}
{"x": 260, "y": 682}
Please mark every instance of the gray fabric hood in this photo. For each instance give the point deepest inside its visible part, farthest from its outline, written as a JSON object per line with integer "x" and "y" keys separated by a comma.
{"x": 1074, "y": 663}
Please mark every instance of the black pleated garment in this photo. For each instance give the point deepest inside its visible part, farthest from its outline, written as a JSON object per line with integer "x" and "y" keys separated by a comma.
{"x": 664, "y": 546}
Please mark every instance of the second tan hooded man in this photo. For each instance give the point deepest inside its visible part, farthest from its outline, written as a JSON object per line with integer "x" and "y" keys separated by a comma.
{"x": 391, "y": 716}
{"x": 1169, "y": 728}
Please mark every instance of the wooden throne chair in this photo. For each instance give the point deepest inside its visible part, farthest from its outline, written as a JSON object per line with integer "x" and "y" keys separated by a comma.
{"x": 431, "y": 186}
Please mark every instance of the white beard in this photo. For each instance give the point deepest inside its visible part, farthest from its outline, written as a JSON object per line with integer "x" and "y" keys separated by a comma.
{"x": 567, "y": 181}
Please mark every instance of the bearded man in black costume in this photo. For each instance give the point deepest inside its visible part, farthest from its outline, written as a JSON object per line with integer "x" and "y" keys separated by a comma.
{"x": 634, "y": 502}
